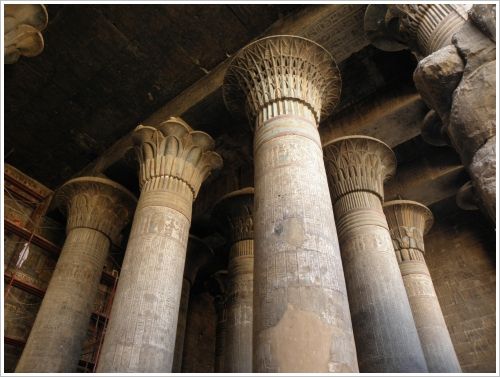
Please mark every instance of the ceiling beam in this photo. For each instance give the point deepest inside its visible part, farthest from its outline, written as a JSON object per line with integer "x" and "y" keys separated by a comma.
{"x": 339, "y": 28}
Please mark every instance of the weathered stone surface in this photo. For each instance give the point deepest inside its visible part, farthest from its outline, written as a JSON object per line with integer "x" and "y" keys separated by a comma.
{"x": 474, "y": 47}
{"x": 484, "y": 16}
{"x": 467, "y": 198}
{"x": 285, "y": 84}
{"x": 432, "y": 131}
{"x": 437, "y": 76}
{"x": 385, "y": 333}
{"x": 234, "y": 211}
{"x": 174, "y": 160}
{"x": 483, "y": 173}
{"x": 408, "y": 222}
{"x": 473, "y": 115}
{"x": 198, "y": 254}
{"x": 97, "y": 211}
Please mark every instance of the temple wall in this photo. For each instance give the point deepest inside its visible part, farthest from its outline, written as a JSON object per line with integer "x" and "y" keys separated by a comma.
{"x": 460, "y": 254}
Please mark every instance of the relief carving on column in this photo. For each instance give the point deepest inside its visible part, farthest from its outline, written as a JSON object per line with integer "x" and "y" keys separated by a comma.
{"x": 22, "y": 34}
{"x": 357, "y": 164}
{"x": 96, "y": 203}
{"x": 174, "y": 157}
{"x": 234, "y": 212}
{"x": 282, "y": 75}
{"x": 408, "y": 222}
{"x": 424, "y": 28}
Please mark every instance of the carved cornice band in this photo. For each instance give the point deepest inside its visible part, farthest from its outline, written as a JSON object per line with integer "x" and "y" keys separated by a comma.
{"x": 358, "y": 163}
{"x": 173, "y": 157}
{"x": 283, "y": 75}
{"x": 234, "y": 213}
{"x": 96, "y": 203}
{"x": 408, "y": 222}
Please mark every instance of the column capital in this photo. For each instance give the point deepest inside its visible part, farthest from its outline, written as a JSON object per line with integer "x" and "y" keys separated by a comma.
{"x": 198, "y": 254}
{"x": 358, "y": 163}
{"x": 234, "y": 213}
{"x": 22, "y": 33}
{"x": 280, "y": 75}
{"x": 424, "y": 28}
{"x": 96, "y": 203}
{"x": 408, "y": 222}
{"x": 174, "y": 157}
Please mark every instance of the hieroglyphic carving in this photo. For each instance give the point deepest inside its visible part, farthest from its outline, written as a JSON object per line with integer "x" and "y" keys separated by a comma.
{"x": 408, "y": 222}
{"x": 285, "y": 84}
{"x": 358, "y": 167}
{"x": 344, "y": 25}
{"x": 174, "y": 161}
{"x": 97, "y": 210}
{"x": 234, "y": 212}
{"x": 96, "y": 203}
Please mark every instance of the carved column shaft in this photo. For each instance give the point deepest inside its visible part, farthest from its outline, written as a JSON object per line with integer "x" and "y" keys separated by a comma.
{"x": 408, "y": 221}
{"x": 386, "y": 337}
{"x": 220, "y": 334}
{"x": 181, "y": 326}
{"x": 198, "y": 253}
{"x": 174, "y": 161}
{"x": 97, "y": 211}
{"x": 285, "y": 84}
{"x": 235, "y": 214}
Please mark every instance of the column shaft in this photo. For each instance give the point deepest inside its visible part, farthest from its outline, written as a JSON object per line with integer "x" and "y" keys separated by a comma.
{"x": 300, "y": 299}
{"x": 386, "y": 337}
{"x": 141, "y": 333}
{"x": 301, "y": 312}
{"x": 239, "y": 309}
{"x": 181, "y": 326}
{"x": 57, "y": 336}
{"x": 220, "y": 334}
{"x": 97, "y": 210}
{"x": 174, "y": 161}
{"x": 385, "y": 333}
{"x": 408, "y": 221}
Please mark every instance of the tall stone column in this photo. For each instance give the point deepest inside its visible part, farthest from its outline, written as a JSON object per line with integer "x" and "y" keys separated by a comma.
{"x": 386, "y": 337}
{"x": 408, "y": 222}
{"x": 198, "y": 253}
{"x": 235, "y": 213}
{"x": 218, "y": 290}
{"x": 285, "y": 84}
{"x": 174, "y": 161}
{"x": 97, "y": 210}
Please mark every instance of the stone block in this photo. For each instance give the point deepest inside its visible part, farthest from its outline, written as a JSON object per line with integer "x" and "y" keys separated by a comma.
{"x": 474, "y": 47}
{"x": 473, "y": 117}
{"x": 484, "y": 17}
{"x": 437, "y": 76}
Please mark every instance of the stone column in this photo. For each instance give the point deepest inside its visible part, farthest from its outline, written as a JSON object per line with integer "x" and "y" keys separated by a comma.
{"x": 235, "y": 214}
{"x": 97, "y": 210}
{"x": 386, "y": 337}
{"x": 408, "y": 222}
{"x": 285, "y": 84}
{"x": 217, "y": 288}
{"x": 198, "y": 253}
{"x": 174, "y": 161}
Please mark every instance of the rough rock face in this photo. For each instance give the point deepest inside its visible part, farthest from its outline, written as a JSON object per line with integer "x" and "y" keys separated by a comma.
{"x": 472, "y": 119}
{"x": 483, "y": 15}
{"x": 482, "y": 170}
{"x": 432, "y": 130}
{"x": 474, "y": 47}
{"x": 437, "y": 76}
